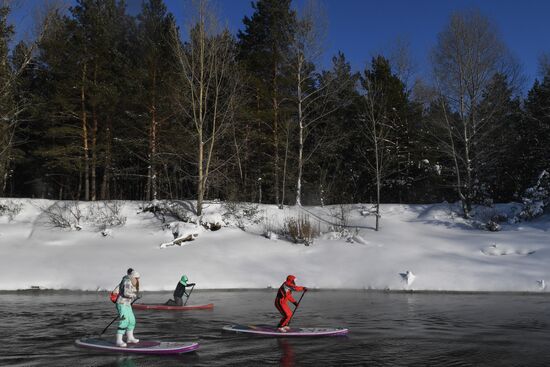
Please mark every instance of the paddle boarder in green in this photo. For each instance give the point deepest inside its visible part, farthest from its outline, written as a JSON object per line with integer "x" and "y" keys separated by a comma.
{"x": 179, "y": 292}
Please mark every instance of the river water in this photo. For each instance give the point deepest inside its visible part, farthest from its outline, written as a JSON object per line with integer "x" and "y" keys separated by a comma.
{"x": 386, "y": 329}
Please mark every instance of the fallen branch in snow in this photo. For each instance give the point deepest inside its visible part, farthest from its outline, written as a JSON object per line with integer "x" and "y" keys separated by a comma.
{"x": 179, "y": 241}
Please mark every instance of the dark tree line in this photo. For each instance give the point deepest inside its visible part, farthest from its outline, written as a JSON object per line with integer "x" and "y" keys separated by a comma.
{"x": 105, "y": 105}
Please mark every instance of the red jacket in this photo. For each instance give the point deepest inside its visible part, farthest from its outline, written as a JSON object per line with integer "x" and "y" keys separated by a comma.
{"x": 284, "y": 293}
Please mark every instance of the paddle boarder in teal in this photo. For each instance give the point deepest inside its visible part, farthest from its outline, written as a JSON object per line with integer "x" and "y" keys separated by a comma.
{"x": 128, "y": 291}
{"x": 284, "y": 294}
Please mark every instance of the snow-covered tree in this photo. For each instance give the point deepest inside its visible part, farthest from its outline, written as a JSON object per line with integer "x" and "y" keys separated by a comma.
{"x": 536, "y": 198}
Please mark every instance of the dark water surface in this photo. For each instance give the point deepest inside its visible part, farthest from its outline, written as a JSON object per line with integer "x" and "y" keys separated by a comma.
{"x": 386, "y": 329}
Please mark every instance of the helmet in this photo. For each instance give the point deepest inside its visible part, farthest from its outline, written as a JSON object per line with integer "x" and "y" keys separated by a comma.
{"x": 290, "y": 279}
{"x": 184, "y": 279}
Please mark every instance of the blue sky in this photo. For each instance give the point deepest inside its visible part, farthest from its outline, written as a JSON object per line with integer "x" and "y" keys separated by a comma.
{"x": 362, "y": 28}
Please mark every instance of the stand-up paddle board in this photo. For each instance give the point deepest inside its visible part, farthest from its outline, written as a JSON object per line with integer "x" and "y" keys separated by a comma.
{"x": 143, "y": 347}
{"x": 268, "y": 330}
{"x": 143, "y": 306}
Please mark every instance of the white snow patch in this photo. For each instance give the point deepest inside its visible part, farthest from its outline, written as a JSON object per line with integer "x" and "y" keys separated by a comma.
{"x": 501, "y": 250}
{"x": 272, "y": 236}
{"x": 408, "y": 277}
{"x": 433, "y": 238}
{"x": 211, "y": 219}
{"x": 358, "y": 239}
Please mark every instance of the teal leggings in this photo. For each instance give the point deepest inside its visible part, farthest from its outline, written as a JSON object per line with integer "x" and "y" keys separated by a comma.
{"x": 127, "y": 319}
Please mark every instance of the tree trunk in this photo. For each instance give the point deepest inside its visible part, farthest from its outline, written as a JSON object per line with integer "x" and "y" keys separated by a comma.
{"x": 94, "y": 155}
{"x": 378, "y": 172}
{"x": 4, "y": 172}
{"x": 200, "y": 185}
{"x": 94, "y": 140}
{"x": 4, "y": 168}
{"x": 105, "y": 186}
{"x": 300, "y": 135}
{"x": 276, "y": 133}
{"x": 85, "y": 136}
{"x": 285, "y": 166}
{"x": 468, "y": 188}
{"x": 151, "y": 190}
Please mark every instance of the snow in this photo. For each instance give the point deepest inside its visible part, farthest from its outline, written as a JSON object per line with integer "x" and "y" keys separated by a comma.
{"x": 408, "y": 277}
{"x": 445, "y": 251}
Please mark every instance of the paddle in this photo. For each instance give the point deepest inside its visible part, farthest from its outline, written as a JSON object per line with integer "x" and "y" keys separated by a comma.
{"x": 298, "y": 304}
{"x": 189, "y": 295}
{"x": 116, "y": 318}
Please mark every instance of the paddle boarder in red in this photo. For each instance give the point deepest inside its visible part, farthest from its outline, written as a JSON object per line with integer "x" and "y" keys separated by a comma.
{"x": 284, "y": 294}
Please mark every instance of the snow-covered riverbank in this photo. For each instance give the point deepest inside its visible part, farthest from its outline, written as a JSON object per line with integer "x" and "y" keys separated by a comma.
{"x": 442, "y": 251}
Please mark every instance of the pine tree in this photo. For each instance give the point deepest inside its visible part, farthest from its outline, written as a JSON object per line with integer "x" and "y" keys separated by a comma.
{"x": 495, "y": 178}
{"x": 155, "y": 24}
{"x": 264, "y": 50}
{"x": 332, "y": 168}
{"x": 84, "y": 73}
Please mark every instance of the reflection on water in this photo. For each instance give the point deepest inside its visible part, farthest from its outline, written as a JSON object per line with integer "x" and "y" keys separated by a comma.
{"x": 287, "y": 354}
{"x": 125, "y": 362}
{"x": 386, "y": 329}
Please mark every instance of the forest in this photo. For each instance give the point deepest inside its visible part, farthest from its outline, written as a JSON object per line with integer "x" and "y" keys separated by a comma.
{"x": 104, "y": 105}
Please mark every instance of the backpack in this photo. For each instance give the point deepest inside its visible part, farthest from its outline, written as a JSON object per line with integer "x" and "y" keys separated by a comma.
{"x": 114, "y": 294}
{"x": 117, "y": 291}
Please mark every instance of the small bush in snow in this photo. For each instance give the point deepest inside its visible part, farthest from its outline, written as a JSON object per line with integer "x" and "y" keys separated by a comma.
{"x": 179, "y": 210}
{"x": 105, "y": 214}
{"x": 536, "y": 198}
{"x": 341, "y": 215}
{"x": 69, "y": 214}
{"x": 270, "y": 227}
{"x": 241, "y": 213}
{"x": 64, "y": 214}
{"x": 10, "y": 209}
{"x": 492, "y": 226}
{"x": 301, "y": 230}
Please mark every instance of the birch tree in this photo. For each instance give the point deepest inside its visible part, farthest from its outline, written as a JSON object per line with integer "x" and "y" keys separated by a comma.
{"x": 208, "y": 78}
{"x": 377, "y": 130}
{"x": 383, "y": 124}
{"x": 469, "y": 53}
{"x": 313, "y": 92}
